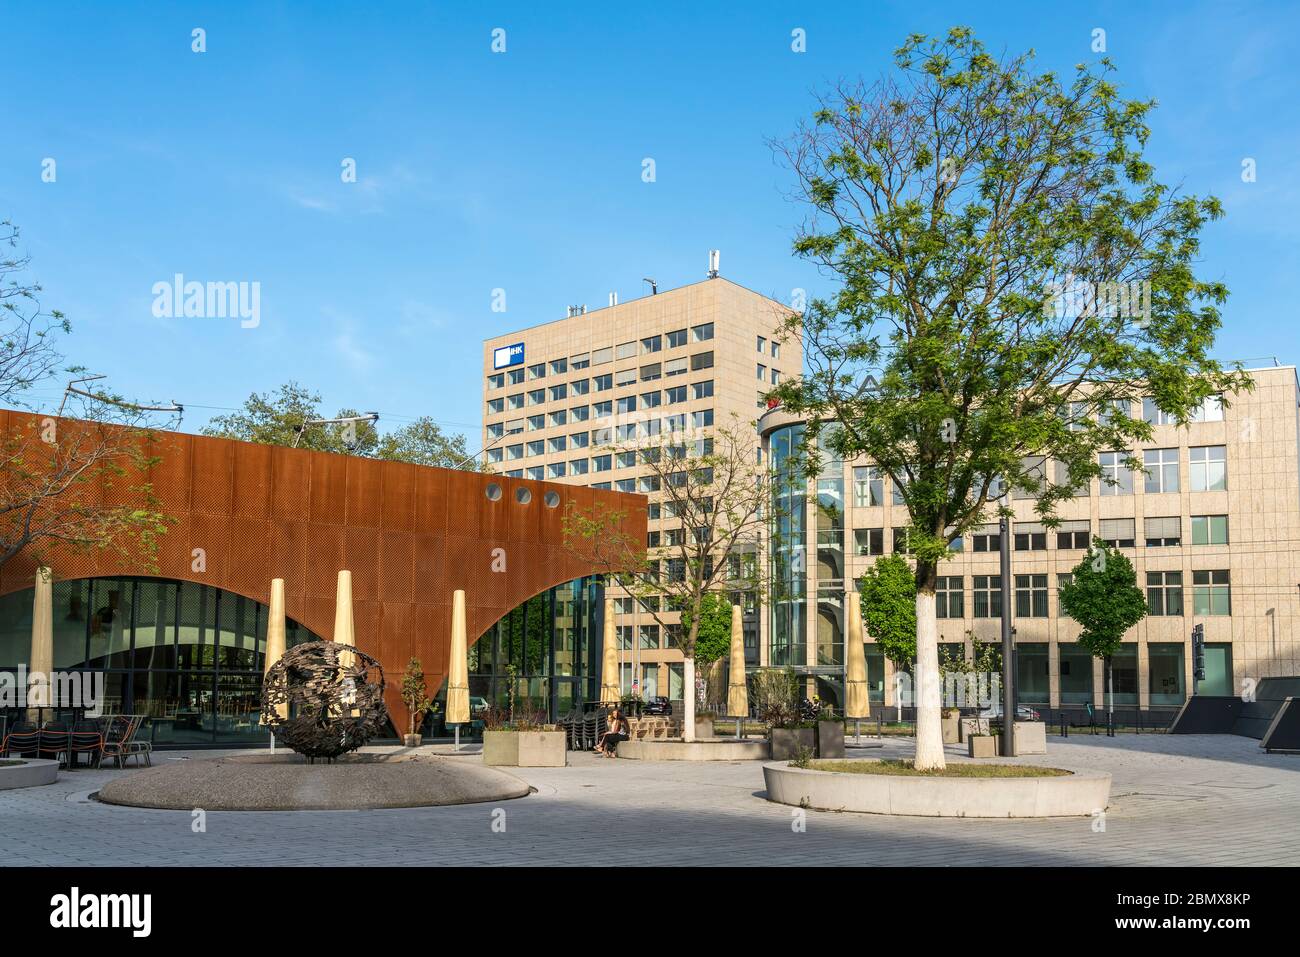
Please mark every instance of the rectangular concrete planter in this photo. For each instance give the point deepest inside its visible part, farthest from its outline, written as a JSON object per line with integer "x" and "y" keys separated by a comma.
{"x": 830, "y": 739}
{"x": 524, "y": 749}
{"x": 703, "y": 728}
{"x": 786, "y": 742}
{"x": 982, "y": 746}
{"x": 1031, "y": 737}
{"x": 952, "y": 728}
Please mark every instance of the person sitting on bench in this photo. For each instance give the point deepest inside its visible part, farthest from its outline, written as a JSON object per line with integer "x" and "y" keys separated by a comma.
{"x": 617, "y": 730}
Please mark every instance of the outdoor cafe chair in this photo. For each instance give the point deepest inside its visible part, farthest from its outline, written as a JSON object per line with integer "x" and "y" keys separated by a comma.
{"x": 23, "y": 741}
{"x": 54, "y": 739}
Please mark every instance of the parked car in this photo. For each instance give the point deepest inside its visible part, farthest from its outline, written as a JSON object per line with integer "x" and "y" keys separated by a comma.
{"x": 658, "y": 705}
{"x": 1023, "y": 712}
{"x": 477, "y": 706}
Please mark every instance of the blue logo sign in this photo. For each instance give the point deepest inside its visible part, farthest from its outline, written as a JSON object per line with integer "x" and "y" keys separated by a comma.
{"x": 508, "y": 356}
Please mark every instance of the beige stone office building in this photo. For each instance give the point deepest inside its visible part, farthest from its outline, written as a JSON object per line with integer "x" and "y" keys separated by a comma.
{"x": 1212, "y": 526}
{"x": 558, "y": 394}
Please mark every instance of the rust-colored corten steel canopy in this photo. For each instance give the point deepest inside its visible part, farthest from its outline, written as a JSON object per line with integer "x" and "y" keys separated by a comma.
{"x": 411, "y": 535}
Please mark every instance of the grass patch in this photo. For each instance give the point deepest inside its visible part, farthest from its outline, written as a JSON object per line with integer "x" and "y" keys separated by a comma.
{"x": 904, "y": 769}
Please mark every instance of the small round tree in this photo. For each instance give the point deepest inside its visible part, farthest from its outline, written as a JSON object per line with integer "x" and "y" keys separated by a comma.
{"x": 713, "y": 641}
{"x": 415, "y": 695}
{"x": 1102, "y": 595}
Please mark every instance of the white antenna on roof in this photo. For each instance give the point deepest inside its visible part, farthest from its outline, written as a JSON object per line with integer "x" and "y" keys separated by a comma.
{"x": 713, "y": 263}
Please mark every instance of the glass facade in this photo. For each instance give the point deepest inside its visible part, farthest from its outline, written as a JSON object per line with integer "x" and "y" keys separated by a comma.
{"x": 788, "y": 606}
{"x": 186, "y": 655}
{"x": 551, "y": 644}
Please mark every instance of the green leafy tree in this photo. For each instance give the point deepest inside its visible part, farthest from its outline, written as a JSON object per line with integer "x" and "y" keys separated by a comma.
{"x": 1012, "y": 278}
{"x": 888, "y": 590}
{"x": 415, "y": 695}
{"x": 1104, "y": 598}
{"x": 713, "y": 640}
{"x": 79, "y": 480}
{"x": 275, "y": 418}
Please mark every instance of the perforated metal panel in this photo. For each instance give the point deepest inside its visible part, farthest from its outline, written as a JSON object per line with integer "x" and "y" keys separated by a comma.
{"x": 410, "y": 536}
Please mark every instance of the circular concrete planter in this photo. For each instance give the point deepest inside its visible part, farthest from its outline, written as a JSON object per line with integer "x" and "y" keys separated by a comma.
{"x": 27, "y": 773}
{"x": 1077, "y": 794}
{"x": 714, "y": 749}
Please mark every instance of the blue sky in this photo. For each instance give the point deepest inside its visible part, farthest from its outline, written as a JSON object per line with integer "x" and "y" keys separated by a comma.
{"x": 522, "y": 170}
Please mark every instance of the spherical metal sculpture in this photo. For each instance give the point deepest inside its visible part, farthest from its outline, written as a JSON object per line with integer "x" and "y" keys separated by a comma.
{"x": 324, "y": 699}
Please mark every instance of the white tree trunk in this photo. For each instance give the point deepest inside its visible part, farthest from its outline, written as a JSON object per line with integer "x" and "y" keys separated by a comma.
{"x": 927, "y": 694}
{"x": 688, "y": 700}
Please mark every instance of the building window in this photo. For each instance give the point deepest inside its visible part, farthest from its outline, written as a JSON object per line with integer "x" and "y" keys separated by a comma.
{"x": 1031, "y": 537}
{"x": 626, "y": 404}
{"x": 494, "y": 455}
{"x": 776, "y": 349}
{"x": 625, "y": 350}
{"x": 537, "y": 372}
{"x": 556, "y": 444}
{"x": 1211, "y": 593}
{"x": 949, "y": 597}
{"x": 1209, "y": 529}
{"x": 559, "y": 366}
{"x": 515, "y": 401}
{"x": 870, "y": 541}
{"x": 603, "y": 463}
{"x": 1163, "y": 532}
{"x": 1211, "y": 410}
{"x": 496, "y": 406}
{"x": 1073, "y": 535}
{"x": 578, "y": 467}
{"x": 987, "y": 591}
{"x": 762, "y": 372}
{"x": 579, "y": 361}
{"x": 902, "y": 541}
{"x": 1117, "y": 532}
{"x": 495, "y": 430}
{"x": 1162, "y": 470}
{"x": 497, "y": 381}
{"x": 625, "y": 377}
{"x": 624, "y": 460}
{"x": 776, "y": 377}
{"x": 676, "y": 338}
{"x": 555, "y": 470}
{"x": 868, "y": 487}
{"x": 1208, "y": 468}
{"x": 1165, "y": 593}
{"x": 534, "y": 472}
{"x": 675, "y": 394}
{"x": 649, "y": 637}
{"x": 535, "y": 447}
{"x": 558, "y": 392}
{"x": 701, "y": 360}
{"x": 1154, "y": 415}
{"x": 702, "y": 390}
{"x": 676, "y": 366}
{"x": 1031, "y": 596}
{"x": 601, "y": 356}
{"x": 651, "y": 372}
{"x": 762, "y": 344}
{"x": 515, "y": 377}
{"x": 514, "y": 452}
{"x": 702, "y": 333}
{"x": 625, "y": 485}
{"x": 580, "y": 413}
{"x": 558, "y": 417}
{"x": 604, "y": 382}
{"x": 651, "y": 400}
{"x": 1116, "y": 476}
{"x": 702, "y": 419}
{"x": 651, "y": 344}
{"x": 986, "y": 538}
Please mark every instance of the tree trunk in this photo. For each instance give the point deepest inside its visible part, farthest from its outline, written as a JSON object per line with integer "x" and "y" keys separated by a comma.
{"x": 688, "y": 700}
{"x": 927, "y": 695}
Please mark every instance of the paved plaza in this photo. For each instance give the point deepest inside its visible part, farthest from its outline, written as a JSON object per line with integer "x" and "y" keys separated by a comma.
{"x": 1212, "y": 800}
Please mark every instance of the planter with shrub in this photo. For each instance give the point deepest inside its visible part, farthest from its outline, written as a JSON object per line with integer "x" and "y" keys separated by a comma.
{"x": 418, "y": 704}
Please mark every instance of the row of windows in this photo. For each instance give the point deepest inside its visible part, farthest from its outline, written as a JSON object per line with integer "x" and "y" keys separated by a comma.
{"x": 763, "y": 372}
{"x": 1206, "y": 468}
{"x": 601, "y": 383}
{"x": 1211, "y": 594}
{"x": 624, "y": 432}
{"x": 1211, "y": 410}
{"x": 597, "y": 357}
{"x": 624, "y": 405}
{"x": 762, "y": 346}
{"x": 1162, "y": 532}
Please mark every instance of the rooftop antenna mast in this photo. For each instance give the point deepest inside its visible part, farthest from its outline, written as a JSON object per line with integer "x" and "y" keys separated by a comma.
{"x": 654, "y": 286}
{"x": 713, "y": 263}
{"x": 71, "y": 389}
{"x": 349, "y": 423}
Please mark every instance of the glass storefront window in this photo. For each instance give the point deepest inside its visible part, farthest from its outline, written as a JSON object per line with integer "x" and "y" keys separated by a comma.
{"x": 1165, "y": 673}
{"x": 1123, "y": 668}
{"x": 1076, "y": 674}
{"x": 1032, "y": 685}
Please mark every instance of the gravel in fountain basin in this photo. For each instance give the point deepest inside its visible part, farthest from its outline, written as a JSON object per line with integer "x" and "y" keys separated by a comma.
{"x": 286, "y": 782}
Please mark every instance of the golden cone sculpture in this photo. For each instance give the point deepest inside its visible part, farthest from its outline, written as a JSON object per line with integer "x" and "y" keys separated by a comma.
{"x": 610, "y": 691}
{"x": 275, "y": 637}
{"x": 737, "y": 693}
{"x": 40, "y": 663}
{"x": 856, "y": 701}
{"x": 344, "y": 630}
{"x": 458, "y": 666}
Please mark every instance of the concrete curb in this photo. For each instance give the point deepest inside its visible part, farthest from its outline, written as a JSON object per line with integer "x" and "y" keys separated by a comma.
{"x": 31, "y": 773}
{"x": 715, "y": 749}
{"x": 1078, "y": 794}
